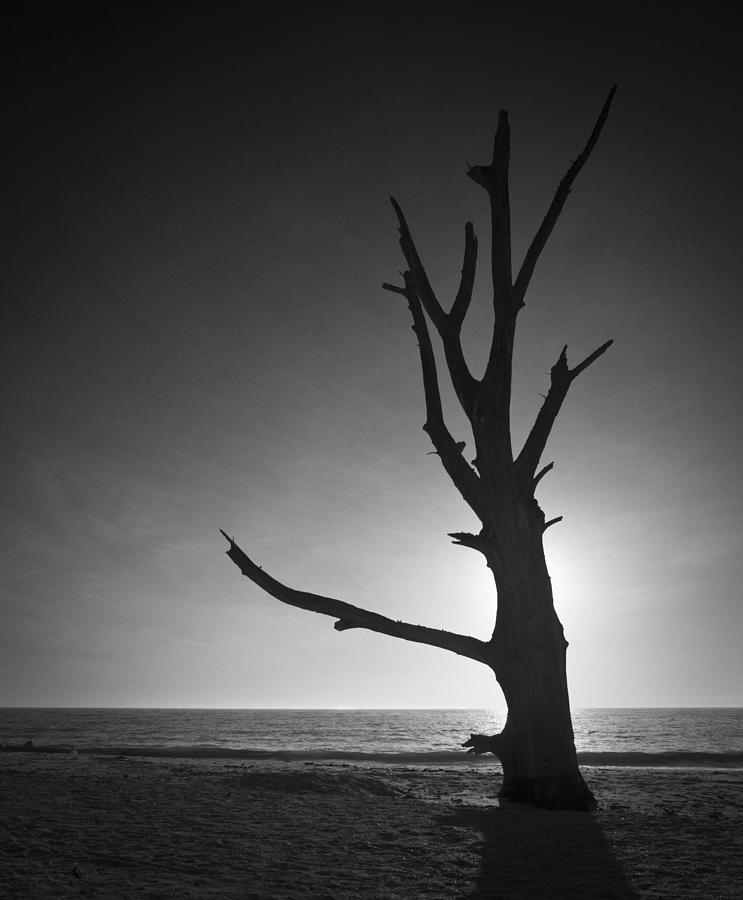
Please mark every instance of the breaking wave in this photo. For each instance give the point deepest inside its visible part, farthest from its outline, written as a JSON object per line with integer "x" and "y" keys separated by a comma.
{"x": 669, "y": 759}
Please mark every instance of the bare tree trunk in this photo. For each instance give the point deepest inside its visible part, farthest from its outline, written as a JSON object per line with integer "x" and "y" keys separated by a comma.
{"x": 527, "y": 649}
{"x": 536, "y": 746}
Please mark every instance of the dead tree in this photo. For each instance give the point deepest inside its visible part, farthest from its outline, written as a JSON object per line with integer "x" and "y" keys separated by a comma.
{"x": 527, "y": 650}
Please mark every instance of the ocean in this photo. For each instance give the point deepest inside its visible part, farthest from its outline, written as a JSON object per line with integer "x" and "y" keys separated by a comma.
{"x": 648, "y": 737}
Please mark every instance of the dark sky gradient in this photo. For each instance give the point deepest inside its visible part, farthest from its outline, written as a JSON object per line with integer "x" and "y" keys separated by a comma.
{"x": 196, "y": 338}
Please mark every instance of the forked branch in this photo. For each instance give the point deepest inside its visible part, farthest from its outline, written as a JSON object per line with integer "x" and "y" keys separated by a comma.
{"x": 561, "y": 378}
{"x": 465, "y": 479}
{"x": 448, "y": 325}
{"x": 350, "y": 616}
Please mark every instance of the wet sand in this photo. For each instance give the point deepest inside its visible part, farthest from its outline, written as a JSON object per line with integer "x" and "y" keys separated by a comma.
{"x": 118, "y": 827}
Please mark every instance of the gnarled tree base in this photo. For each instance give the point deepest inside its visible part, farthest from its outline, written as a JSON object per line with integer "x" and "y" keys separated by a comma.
{"x": 551, "y": 792}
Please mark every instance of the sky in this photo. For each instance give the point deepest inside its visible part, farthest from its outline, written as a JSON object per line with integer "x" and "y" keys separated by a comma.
{"x": 195, "y": 337}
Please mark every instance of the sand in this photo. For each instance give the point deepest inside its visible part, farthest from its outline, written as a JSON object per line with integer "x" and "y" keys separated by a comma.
{"x": 118, "y": 827}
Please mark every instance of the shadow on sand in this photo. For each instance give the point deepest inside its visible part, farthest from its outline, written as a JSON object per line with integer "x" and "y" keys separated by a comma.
{"x": 528, "y": 852}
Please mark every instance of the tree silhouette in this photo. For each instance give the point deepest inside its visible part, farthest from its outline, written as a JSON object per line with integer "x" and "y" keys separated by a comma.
{"x": 527, "y": 650}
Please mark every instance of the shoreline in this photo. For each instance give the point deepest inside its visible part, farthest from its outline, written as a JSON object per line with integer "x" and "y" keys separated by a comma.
{"x": 586, "y": 758}
{"x": 123, "y": 826}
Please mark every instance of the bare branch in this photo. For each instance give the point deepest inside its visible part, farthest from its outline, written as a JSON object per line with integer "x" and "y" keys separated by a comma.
{"x": 528, "y": 458}
{"x": 541, "y": 473}
{"x": 420, "y": 279}
{"x": 494, "y": 178}
{"x": 464, "y": 384}
{"x": 434, "y": 413}
{"x": 574, "y": 373}
{"x": 465, "y": 479}
{"x": 551, "y": 522}
{"x": 485, "y": 743}
{"x": 467, "y": 282}
{"x": 553, "y": 213}
{"x": 561, "y": 377}
{"x": 353, "y": 616}
{"x": 465, "y": 539}
{"x": 394, "y": 288}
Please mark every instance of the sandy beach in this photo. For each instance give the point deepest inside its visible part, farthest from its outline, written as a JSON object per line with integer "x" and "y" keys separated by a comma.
{"x": 117, "y": 827}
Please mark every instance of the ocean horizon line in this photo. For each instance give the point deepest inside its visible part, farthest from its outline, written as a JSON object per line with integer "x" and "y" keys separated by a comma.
{"x": 497, "y": 709}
